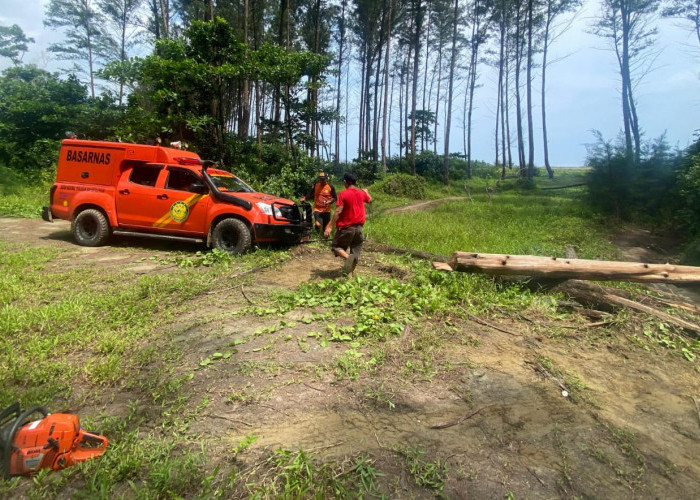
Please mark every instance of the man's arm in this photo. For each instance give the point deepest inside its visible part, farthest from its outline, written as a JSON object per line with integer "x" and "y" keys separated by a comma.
{"x": 311, "y": 194}
{"x": 369, "y": 198}
{"x": 334, "y": 197}
{"x": 334, "y": 219}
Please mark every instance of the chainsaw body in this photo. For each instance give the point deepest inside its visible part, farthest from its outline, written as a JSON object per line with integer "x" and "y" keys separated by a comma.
{"x": 54, "y": 441}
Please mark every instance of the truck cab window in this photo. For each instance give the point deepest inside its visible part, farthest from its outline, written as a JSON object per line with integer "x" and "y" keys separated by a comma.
{"x": 145, "y": 175}
{"x": 181, "y": 180}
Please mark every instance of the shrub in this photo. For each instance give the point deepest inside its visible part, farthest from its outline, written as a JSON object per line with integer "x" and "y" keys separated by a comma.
{"x": 294, "y": 180}
{"x": 628, "y": 189}
{"x": 691, "y": 253}
{"x": 403, "y": 185}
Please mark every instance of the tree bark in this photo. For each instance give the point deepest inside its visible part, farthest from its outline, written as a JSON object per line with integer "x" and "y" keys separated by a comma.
{"x": 528, "y": 87}
{"x": 244, "y": 121}
{"x": 553, "y": 267}
{"x": 386, "y": 86}
{"x": 545, "y": 48}
{"x": 341, "y": 28}
{"x": 414, "y": 92}
{"x": 450, "y": 88}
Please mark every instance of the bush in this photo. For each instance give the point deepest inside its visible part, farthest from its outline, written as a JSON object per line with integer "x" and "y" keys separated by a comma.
{"x": 628, "y": 189}
{"x": 294, "y": 180}
{"x": 691, "y": 253}
{"x": 403, "y": 185}
{"x": 688, "y": 181}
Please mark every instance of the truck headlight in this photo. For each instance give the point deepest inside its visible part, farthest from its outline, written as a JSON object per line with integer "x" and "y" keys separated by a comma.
{"x": 266, "y": 208}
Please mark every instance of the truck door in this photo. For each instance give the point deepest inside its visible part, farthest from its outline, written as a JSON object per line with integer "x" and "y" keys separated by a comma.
{"x": 183, "y": 203}
{"x": 137, "y": 202}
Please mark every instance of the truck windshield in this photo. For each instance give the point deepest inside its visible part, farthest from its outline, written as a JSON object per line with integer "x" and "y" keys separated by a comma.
{"x": 231, "y": 184}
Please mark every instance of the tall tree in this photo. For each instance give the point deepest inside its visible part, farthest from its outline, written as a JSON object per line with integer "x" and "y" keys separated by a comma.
{"x": 121, "y": 17}
{"x": 85, "y": 37}
{"x": 386, "y": 84}
{"x": 417, "y": 13}
{"x": 13, "y": 43}
{"x": 450, "y": 87}
{"x": 341, "y": 53}
{"x": 553, "y": 9}
{"x": 629, "y": 27}
{"x": 480, "y": 24}
{"x": 531, "y": 6}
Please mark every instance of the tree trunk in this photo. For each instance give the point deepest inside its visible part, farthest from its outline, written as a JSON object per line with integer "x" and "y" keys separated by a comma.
{"x": 414, "y": 92}
{"x": 473, "y": 61}
{"x": 437, "y": 99}
{"x": 341, "y": 28}
{"x": 528, "y": 88}
{"x": 450, "y": 87}
{"x": 361, "y": 128}
{"x": 557, "y": 268}
{"x": 425, "y": 71}
{"x": 244, "y": 121}
{"x": 626, "y": 79}
{"x": 518, "y": 106}
{"x": 165, "y": 15}
{"x": 386, "y": 86}
{"x": 506, "y": 109}
{"x": 545, "y": 48}
{"x": 89, "y": 47}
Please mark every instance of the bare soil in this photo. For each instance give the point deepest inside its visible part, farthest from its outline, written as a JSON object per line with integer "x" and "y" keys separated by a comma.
{"x": 632, "y": 431}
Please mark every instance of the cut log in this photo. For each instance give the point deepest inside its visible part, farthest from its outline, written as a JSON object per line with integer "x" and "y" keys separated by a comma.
{"x": 556, "y": 268}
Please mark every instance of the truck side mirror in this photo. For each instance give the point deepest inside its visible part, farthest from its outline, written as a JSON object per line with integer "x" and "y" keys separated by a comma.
{"x": 198, "y": 187}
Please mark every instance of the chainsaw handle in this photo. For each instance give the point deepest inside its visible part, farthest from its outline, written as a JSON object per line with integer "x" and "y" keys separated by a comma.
{"x": 89, "y": 437}
{"x": 19, "y": 421}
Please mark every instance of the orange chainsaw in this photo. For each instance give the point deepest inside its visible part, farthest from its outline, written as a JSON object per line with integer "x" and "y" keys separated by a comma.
{"x": 56, "y": 440}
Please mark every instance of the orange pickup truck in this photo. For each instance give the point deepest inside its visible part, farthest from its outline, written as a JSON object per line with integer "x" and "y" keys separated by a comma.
{"x": 113, "y": 187}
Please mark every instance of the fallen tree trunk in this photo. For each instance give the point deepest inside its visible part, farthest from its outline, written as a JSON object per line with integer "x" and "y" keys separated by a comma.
{"x": 556, "y": 268}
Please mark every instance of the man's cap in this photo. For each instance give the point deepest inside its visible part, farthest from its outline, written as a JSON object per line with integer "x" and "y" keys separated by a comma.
{"x": 322, "y": 175}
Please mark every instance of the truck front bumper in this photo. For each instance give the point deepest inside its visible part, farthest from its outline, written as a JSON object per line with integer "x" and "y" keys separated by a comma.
{"x": 283, "y": 233}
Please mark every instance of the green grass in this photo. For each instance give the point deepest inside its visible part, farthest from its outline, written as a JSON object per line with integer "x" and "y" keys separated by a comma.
{"x": 23, "y": 195}
{"x": 530, "y": 223}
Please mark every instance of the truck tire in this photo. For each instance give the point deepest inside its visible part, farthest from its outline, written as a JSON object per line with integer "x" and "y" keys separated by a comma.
{"x": 91, "y": 228}
{"x": 232, "y": 236}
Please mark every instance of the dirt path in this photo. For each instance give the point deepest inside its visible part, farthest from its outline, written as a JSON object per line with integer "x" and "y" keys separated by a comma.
{"x": 627, "y": 428}
{"x": 422, "y": 205}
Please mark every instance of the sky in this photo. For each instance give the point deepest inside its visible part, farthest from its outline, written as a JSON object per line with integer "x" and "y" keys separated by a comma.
{"x": 582, "y": 89}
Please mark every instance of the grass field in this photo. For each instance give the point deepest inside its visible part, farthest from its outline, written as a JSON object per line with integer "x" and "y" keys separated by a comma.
{"x": 267, "y": 376}
{"x": 534, "y": 221}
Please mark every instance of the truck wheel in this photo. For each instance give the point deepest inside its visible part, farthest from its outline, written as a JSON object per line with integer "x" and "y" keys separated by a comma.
{"x": 91, "y": 228}
{"x": 232, "y": 236}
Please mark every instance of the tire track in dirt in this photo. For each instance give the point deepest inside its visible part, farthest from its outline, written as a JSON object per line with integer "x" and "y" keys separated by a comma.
{"x": 422, "y": 205}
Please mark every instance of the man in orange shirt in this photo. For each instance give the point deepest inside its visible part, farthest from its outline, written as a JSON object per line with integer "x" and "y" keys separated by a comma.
{"x": 323, "y": 194}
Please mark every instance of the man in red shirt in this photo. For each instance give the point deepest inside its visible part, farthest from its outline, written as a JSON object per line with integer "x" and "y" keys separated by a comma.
{"x": 349, "y": 217}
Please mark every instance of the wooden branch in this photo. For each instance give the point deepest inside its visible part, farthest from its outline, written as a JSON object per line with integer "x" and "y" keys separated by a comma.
{"x": 486, "y": 323}
{"x": 653, "y": 312}
{"x": 611, "y": 299}
{"x": 456, "y": 422}
{"x": 549, "y": 188}
{"x": 373, "y": 247}
{"x": 553, "y": 267}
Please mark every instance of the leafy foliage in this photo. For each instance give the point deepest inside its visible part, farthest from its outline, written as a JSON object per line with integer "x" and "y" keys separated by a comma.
{"x": 629, "y": 189}
{"x": 403, "y": 185}
{"x": 13, "y": 41}
{"x": 36, "y": 109}
{"x": 181, "y": 91}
